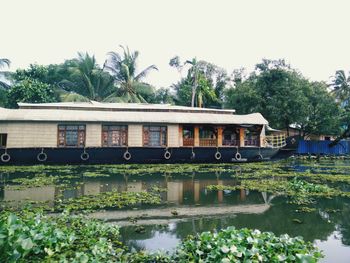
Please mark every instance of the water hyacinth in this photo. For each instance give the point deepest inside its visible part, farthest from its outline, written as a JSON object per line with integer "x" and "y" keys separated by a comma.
{"x": 245, "y": 245}
{"x": 30, "y": 237}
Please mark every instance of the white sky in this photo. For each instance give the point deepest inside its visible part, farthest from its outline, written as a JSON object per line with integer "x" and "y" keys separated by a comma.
{"x": 312, "y": 35}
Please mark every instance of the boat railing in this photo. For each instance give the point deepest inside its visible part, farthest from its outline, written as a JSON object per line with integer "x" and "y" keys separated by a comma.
{"x": 188, "y": 141}
{"x": 207, "y": 142}
{"x": 275, "y": 141}
{"x": 251, "y": 142}
{"x": 230, "y": 142}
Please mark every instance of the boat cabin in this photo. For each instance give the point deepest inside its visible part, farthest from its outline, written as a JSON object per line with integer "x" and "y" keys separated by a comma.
{"x": 95, "y": 126}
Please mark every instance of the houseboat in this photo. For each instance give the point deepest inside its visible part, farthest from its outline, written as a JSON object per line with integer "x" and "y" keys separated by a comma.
{"x": 93, "y": 132}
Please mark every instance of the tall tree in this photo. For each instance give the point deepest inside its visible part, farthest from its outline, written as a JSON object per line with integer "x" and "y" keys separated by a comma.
{"x": 203, "y": 85}
{"x": 4, "y": 62}
{"x": 323, "y": 112}
{"x": 341, "y": 88}
{"x": 130, "y": 86}
{"x": 341, "y": 85}
{"x": 87, "y": 79}
{"x": 4, "y": 85}
{"x": 273, "y": 89}
{"x": 30, "y": 90}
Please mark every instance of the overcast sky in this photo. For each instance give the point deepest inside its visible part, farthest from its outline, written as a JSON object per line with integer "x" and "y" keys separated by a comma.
{"x": 311, "y": 35}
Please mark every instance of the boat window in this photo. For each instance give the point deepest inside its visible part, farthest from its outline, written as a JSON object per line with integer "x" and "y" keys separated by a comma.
{"x": 154, "y": 135}
{"x": 71, "y": 135}
{"x": 230, "y": 137}
{"x": 114, "y": 135}
{"x": 207, "y": 133}
{"x": 251, "y": 136}
{"x": 3, "y": 140}
{"x": 207, "y": 136}
{"x": 188, "y": 135}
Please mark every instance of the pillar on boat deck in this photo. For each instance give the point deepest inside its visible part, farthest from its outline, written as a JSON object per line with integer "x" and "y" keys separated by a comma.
{"x": 219, "y": 137}
{"x": 241, "y": 137}
{"x": 181, "y": 143}
{"x": 196, "y": 135}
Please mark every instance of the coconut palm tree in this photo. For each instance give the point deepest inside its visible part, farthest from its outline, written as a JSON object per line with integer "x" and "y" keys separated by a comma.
{"x": 341, "y": 85}
{"x": 86, "y": 80}
{"x": 3, "y": 85}
{"x": 341, "y": 89}
{"x": 198, "y": 75}
{"x": 194, "y": 72}
{"x": 123, "y": 68}
{"x": 4, "y": 62}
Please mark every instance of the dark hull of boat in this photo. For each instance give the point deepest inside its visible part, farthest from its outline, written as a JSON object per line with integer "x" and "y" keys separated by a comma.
{"x": 140, "y": 155}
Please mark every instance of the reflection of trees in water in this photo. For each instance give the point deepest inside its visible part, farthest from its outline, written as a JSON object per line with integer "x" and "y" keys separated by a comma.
{"x": 4, "y": 177}
{"x": 338, "y": 211}
{"x": 345, "y": 224}
{"x": 278, "y": 219}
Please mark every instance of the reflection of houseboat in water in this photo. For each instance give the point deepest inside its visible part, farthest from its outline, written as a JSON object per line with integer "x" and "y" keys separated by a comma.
{"x": 189, "y": 197}
{"x": 132, "y": 133}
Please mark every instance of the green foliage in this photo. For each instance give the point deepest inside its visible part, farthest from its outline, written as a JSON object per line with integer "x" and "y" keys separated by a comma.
{"x": 37, "y": 72}
{"x": 277, "y": 93}
{"x": 130, "y": 88}
{"x": 245, "y": 245}
{"x": 341, "y": 85}
{"x": 30, "y": 237}
{"x": 323, "y": 112}
{"x": 285, "y": 97}
{"x": 3, "y": 84}
{"x": 163, "y": 96}
{"x": 30, "y": 90}
{"x": 86, "y": 78}
{"x": 33, "y": 237}
{"x": 110, "y": 200}
{"x": 203, "y": 86}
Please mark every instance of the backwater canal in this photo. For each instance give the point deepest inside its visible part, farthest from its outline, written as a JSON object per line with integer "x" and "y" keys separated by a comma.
{"x": 197, "y": 198}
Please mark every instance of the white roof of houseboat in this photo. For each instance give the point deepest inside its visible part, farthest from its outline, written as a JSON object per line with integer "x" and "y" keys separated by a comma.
{"x": 94, "y": 105}
{"x": 126, "y": 113}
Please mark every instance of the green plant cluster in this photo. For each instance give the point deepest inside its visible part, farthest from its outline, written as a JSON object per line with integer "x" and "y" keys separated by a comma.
{"x": 299, "y": 191}
{"x": 33, "y": 237}
{"x": 109, "y": 200}
{"x": 30, "y": 237}
{"x": 245, "y": 245}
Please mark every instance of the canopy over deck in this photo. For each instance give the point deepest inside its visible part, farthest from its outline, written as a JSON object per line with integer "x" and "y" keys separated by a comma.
{"x": 125, "y": 113}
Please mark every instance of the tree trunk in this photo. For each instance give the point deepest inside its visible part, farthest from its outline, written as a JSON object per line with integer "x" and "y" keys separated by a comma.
{"x": 194, "y": 88}
{"x": 287, "y": 127}
{"x": 193, "y": 97}
{"x": 345, "y": 134}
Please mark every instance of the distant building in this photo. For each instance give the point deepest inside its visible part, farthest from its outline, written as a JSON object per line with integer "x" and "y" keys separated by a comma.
{"x": 312, "y": 137}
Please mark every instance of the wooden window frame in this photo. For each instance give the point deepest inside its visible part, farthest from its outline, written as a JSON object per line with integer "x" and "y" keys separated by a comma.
{"x": 120, "y": 125}
{"x": 160, "y": 138}
{"x": 5, "y": 136}
{"x": 188, "y": 142}
{"x": 65, "y": 137}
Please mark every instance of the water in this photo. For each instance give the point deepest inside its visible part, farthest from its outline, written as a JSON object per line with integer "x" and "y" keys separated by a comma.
{"x": 189, "y": 208}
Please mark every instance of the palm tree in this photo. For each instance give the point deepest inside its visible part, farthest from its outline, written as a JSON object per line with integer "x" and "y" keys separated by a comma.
{"x": 86, "y": 80}
{"x": 341, "y": 89}
{"x": 341, "y": 85}
{"x": 198, "y": 75}
{"x": 3, "y": 85}
{"x": 4, "y": 62}
{"x": 129, "y": 83}
{"x": 194, "y": 72}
